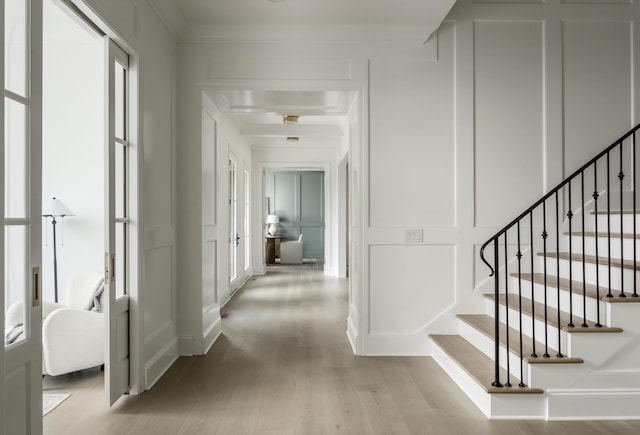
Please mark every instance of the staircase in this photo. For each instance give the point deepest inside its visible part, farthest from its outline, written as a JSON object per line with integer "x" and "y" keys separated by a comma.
{"x": 559, "y": 338}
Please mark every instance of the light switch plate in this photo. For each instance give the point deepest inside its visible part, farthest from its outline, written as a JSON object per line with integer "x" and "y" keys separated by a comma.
{"x": 412, "y": 236}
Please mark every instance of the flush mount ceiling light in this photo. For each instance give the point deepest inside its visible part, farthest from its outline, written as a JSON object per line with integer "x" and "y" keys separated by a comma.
{"x": 293, "y": 138}
{"x": 290, "y": 119}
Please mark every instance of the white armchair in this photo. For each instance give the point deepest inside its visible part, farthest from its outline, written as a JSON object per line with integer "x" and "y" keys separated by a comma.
{"x": 291, "y": 251}
{"x": 72, "y": 335}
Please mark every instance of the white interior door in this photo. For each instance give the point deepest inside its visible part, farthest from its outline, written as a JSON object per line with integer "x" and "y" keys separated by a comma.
{"x": 20, "y": 209}
{"x": 116, "y": 298}
{"x": 234, "y": 237}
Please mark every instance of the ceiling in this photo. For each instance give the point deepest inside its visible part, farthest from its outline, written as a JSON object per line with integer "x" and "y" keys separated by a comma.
{"x": 322, "y": 114}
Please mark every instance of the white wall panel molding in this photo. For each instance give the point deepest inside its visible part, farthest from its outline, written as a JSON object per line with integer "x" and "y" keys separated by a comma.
{"x": 157, "y": 339}
{"x": 282, "y": 68}
{"x": 509, "y": 98}
{"x": 413, "y": 282}
{"x": 158, "y": 237}
{"x": 159, "y": 363}
{"x": 603, "y": 48}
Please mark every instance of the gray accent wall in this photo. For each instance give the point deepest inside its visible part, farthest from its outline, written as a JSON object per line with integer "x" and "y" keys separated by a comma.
{"x": 297, "y": 197}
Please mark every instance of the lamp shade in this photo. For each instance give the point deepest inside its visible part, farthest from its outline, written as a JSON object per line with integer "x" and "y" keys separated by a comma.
{"x": 56, "y": 208}
{"x": 273, "y": 219}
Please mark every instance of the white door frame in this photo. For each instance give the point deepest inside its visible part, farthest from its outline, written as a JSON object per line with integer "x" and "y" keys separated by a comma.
{"x": 136, "y": 234}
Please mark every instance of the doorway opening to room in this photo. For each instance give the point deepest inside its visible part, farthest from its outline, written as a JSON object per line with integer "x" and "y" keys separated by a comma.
{"x": 89, "y": 191}
{"x": 295, "y": 210}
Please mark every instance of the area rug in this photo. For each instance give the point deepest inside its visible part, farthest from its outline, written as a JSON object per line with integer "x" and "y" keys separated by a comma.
{"x": 51, "y": 400}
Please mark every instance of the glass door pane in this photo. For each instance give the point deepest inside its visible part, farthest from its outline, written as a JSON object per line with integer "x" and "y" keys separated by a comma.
{"x": 15, "y": 46}
{"x": 233, "y": 229}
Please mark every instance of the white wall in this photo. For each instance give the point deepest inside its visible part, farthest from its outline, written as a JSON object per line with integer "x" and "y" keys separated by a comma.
{"x": 72, "y": 146}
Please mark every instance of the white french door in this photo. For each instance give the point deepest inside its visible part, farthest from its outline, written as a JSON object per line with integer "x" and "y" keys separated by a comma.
{"x": 234, "y": 237}
{"x": 117, "y": 224}
{"x": 20, "y": 209}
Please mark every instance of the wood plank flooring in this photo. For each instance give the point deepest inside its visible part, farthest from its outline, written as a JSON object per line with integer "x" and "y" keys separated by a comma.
{"x": 283, "y": 366}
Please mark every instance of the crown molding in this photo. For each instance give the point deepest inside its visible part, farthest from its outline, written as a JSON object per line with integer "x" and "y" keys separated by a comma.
{"x": 170, "y": 15}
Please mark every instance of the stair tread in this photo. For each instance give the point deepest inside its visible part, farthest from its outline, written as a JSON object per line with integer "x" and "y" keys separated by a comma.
{"x": 603, "y": 261}
{"x": 476, "y": 364}
{"x": 552, "y": 314}
{"x": 486, "y": 325}
{"x": 602, "y": 234}
{"x": 576, "y": 288}
{"x": 615, "y": 212}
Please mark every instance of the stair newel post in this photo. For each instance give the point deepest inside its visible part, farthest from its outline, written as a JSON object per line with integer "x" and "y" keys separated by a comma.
{"x": 544, "y": 262}
{"x": 621, "y": 178}
{"x": 559, "y": 355}
{"x": 635, "y": 262}
{"x": 570, "y": 216}
{"x": 584, "y": 263}
{"x": 533, "y": 306}
{"x": 496, "y": 281}
{"x": 595, "y": 208}
{"x": 519, "y": 257}
{"x": 609, "y": 295}
{"x": 506, "y": 301}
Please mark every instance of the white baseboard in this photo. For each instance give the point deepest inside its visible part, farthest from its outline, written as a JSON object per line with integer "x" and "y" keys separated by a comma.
{"x": 352, "y": 335}
{"x": 186, "y": 345}
{"x": 160, "y": 363}
{"x": 397, "y": 345}
{"x": 211, "y": 335}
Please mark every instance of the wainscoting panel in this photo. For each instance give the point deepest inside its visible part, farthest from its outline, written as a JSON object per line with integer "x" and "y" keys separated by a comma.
{"x": 597, "y": 87}
{"x": 412, "y": 162}
{"x": 509, "y": 118}
{"x": 414, "y": 282}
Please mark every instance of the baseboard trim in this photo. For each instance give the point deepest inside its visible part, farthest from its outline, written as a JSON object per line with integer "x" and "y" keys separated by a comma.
{"x": 211, "y": 335}
{"x": 185, "y": 345}
{"x": 352, "y": 335}
{"x": 160, "y": 363}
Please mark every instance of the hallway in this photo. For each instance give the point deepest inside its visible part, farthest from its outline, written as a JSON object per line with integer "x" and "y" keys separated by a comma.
{"x": 283, "y": 366}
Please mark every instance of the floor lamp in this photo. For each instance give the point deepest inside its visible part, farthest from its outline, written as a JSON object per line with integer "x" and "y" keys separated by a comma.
{"x": 55, "y": 209}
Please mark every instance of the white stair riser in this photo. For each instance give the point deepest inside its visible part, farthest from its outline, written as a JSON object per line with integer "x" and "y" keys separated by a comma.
{"x": 487, "y": 346}
{"x": 603, "y": 246}
{"x": 617, "y": 274}
{"x": 627, "y": 223}
{"x": 552, "y": 299}
{"x": 625, "y": 315}
{"x": 528, "y": 327}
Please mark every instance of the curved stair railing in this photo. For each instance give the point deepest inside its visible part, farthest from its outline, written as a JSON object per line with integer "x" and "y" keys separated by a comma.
{"x": 539, "y": 230}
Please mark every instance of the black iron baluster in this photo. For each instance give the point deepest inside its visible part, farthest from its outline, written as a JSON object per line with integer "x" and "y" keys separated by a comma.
{"x": 544, "y": 249}
{"x": 635, "y": 262}
{"x": 609, "y": 294}
{"x": 570, "y": 216}
{"x": 584, "y": 263}
{"x": 519, "y": 257}
{"x": 621, "y": 177}
{"x": 506, "y": 303}
{"x": 496, "y": 281}
{"x": 533, "y": 306}
{"x": 559, "y": 355}
{"x": 595, "y": 207}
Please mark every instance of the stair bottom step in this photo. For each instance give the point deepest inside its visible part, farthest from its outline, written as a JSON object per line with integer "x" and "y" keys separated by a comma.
{"x": 478, "y": 366}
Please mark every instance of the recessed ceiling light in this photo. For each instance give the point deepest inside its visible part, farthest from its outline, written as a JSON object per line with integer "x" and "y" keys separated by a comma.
{"x": 293, "y": 138}
{"x": 290, "y": 119}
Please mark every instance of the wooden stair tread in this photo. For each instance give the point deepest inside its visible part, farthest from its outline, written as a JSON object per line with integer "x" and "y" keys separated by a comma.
{"x": 576, "y": 287}
{"x": 603, "y": 261}
{"x": 477, "y": 365}
{"x": 485, "y": 324}
{"x": 602, "y": 234}
{"x": 552, "y": 314}
{"x": 614, "y": 212}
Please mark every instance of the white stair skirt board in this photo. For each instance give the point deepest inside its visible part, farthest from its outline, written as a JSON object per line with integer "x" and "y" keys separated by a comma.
{"x": 51, "y": 400}
{"x": 493, "y": 406}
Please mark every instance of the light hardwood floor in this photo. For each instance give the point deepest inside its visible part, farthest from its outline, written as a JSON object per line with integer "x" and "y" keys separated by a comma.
{"x": 283, "y": 366}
